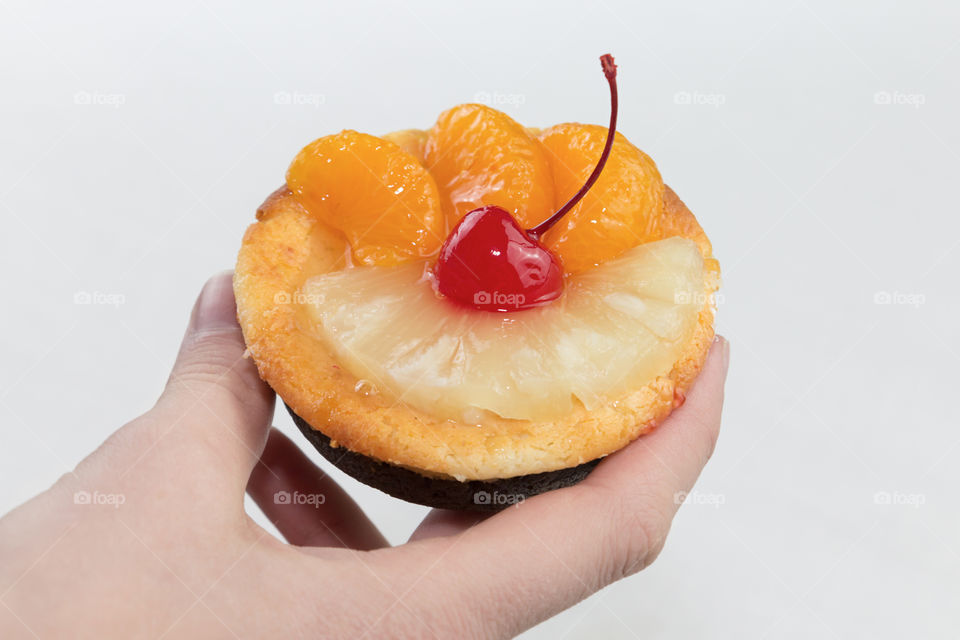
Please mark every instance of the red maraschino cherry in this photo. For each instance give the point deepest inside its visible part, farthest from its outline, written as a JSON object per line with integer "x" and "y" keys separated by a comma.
{"x": 489, "y": 262}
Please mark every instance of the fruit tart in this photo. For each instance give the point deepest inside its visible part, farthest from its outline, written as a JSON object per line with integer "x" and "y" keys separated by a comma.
{"x": 477, "y": 313}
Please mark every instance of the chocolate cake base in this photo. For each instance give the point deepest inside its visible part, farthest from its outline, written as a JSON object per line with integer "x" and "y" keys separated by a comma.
{"x": 476, "y": 495}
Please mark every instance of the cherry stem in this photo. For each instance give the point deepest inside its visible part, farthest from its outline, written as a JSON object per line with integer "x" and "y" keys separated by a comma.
{"x": 610, "y": 71}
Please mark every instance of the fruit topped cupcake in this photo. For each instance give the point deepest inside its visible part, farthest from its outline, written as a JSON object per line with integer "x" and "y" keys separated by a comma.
{"x": 470, "y": 315}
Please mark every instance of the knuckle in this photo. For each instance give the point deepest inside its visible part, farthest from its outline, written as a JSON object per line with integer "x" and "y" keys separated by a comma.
{"x": 637, "y": 534}
{"x": 703, "y": 436}
{"x": 126, "y": 443}
{"x": 210, "y": 352}
{"x": 213, "y": 365}
{"x": 711, "y": 436}
{"x": 66, "y": 483}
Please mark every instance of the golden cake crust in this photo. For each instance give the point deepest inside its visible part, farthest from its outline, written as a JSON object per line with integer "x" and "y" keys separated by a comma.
{"x": 286, "y": 245}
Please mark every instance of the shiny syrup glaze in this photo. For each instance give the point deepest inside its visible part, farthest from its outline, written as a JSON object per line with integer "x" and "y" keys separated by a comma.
{"x": 490, "y": 263}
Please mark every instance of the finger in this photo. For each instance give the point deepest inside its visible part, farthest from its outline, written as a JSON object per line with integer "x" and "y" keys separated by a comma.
{"x": 670, "y": 459}
{"x": 557, "y": 548}
{"x": 444, "y": 522}
{"x": 214, "y": 397}
{"x": 306, "y": 505}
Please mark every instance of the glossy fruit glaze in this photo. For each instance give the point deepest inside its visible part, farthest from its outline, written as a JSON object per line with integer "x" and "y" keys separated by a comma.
{"x": 490, "y": 263}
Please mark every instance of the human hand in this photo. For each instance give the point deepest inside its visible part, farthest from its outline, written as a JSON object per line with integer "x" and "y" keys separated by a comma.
{"x": 148, "y": 536}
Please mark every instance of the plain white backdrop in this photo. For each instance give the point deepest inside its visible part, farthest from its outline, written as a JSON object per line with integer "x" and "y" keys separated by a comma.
{"x": 817, "y": 142}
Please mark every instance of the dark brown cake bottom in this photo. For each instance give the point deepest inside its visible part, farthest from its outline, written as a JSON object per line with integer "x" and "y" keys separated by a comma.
{"x": 476, "y": 495}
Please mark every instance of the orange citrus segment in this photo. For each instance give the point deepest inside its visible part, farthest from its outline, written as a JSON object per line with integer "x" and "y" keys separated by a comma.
{"x": 616, "y": 214}
{"x": 480, "y": 156}
{"x": 377, "y": 194}
{"x": 410, "y": 140}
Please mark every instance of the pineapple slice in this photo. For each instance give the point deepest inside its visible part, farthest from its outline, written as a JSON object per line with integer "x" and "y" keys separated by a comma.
{"x": 617, "y": 327}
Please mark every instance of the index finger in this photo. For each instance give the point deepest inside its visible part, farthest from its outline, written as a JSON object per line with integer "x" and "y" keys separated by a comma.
{"x": 555, "y": 549}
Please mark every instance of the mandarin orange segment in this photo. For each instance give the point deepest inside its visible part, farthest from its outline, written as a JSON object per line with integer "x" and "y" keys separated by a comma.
{"x": 377, "y": 194}
{"x": 412, "y": 141}
{"x": 480, "y": 156}
{"x": 617, "y": 213}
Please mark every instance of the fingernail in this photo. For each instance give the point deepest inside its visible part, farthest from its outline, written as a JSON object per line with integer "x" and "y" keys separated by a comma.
{"x": 725, "y": 353}
{"x": 215, "y": 307}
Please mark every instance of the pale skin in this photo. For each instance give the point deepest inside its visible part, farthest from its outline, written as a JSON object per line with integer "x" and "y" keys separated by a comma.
{"x": 164, "y": 547}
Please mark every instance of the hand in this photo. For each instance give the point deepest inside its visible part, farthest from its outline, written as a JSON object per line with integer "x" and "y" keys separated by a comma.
{"x": 148, "y": 537}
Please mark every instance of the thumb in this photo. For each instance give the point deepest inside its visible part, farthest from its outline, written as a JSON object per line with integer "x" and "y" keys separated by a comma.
{"x": 214, "y": 391}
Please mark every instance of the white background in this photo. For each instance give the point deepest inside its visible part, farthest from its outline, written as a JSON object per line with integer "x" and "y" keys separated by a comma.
{"x": 819, "y": 198}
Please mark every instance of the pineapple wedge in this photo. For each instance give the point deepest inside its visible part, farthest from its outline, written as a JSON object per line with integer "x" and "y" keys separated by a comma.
{"x": 617, "y": 327}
